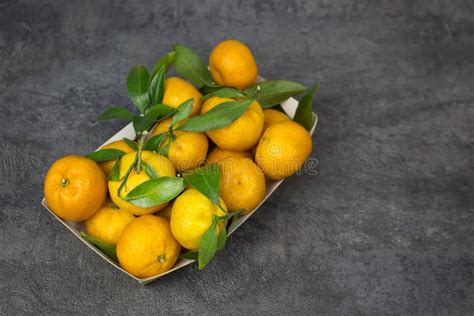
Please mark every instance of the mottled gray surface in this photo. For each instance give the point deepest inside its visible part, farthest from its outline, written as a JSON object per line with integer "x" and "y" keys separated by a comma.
{"x": 387, "y": 225}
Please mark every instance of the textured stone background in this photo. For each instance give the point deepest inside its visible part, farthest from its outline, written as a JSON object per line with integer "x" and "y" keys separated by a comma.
{"x": 386, "y": 226}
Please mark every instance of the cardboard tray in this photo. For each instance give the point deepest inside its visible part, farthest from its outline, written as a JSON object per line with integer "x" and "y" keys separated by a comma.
{"x": 289, "y": 106}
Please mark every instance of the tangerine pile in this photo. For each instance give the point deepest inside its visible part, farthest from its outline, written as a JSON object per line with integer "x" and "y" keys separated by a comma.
{"x": 111, "y": 189}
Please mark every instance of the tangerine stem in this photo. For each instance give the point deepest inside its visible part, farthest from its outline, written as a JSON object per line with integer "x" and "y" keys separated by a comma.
{"x": 64, "y": 182}
{"x": 125, "y": 177}
{"x": 161, "y": 258}
{"x": 140, "y": 148}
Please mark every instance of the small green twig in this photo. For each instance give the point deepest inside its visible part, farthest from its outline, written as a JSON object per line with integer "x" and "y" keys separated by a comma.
{"x": 135, "y": 162}
{"x": 222, "y": 208}
{"x": 141, "y": 142}
{"x": 125, "y": 177}
{"x": 161, "y": 143}
{"x": 229, "y": 215}
{"x": 170, "y": 138}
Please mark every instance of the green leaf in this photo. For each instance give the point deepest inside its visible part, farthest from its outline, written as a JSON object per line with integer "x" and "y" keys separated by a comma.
{"x": 183, "y": 111}
{"x": 154, "y": 143}
{"x": 218, "y": 117}
{"x": 191, "y": 255}
{"x": 116, "y": 113}
{"x": 152, "y": 115}
{"x": 206, "y": 181}
{"x": 105, "y": 154}
{"x": 162, "y": 110}
{"x": 207, "y": 246}
{"x": 131, "y": 143}
{"x": 189, "y": 65}
{"x": 149, "y": 170}
{"x": 304, "y": 111}
{"x": 166, "y": 148}
{"x": 222, "y": 239}
{"x": 225, "y": 92}
{"x": 106, "y": 248}
{"x": 157, "y": 86}
{"x": 209, "y": 88}
{"x": 137, "y": 87}
{"x": 273, "y": 92}
{"x": 155, "y": 191}
{"x": 114, "y": 174}
{"x": 142, "y": 123}
{"x": 166, "y": 60}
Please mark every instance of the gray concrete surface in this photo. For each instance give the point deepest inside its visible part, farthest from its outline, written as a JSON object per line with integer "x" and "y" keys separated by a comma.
{"x": 386, "y": 227}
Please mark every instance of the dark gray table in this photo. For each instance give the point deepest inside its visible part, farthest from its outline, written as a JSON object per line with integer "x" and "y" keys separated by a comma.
{"x": 385, "y": 227}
